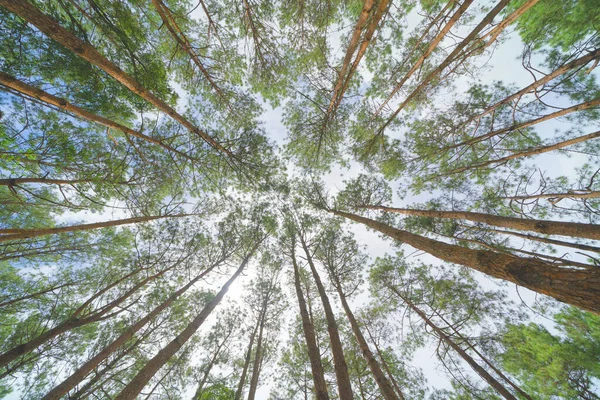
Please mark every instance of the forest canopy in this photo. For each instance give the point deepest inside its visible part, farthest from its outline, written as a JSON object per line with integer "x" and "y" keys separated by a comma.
{"x": 299, "y": 199}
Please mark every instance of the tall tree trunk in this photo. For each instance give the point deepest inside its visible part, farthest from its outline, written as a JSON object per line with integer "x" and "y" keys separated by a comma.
{"x": 497, "y": 386}
{"x": 555, "y": 197}
{"x": 311, "y": 341}
{"x": 588, "y": 231}
{"x": 15, "y": 234}
{"x": 242, "y": 382}
{"x": 382, "y": 382}
{"x": 47, "y": 25}
{"x": 77, "y": 376}
{"x": 384, "y": 363}
{"x": 38, "y": 94}
{"x": 494, "y": 33}
{"x": 210, "y": 366}
{"x": 75, "y": 321}
{"x": 579, "y": 246}
{"x": 580, "y": 288}
{"x": 340, "y": 367}
{"x": 133, "y": 389}
{"x": 434, "y": 43}
{"x": 256, "y": 365}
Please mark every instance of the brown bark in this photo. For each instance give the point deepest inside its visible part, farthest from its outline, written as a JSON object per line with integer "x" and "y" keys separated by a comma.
{"x": 494, "y": 33}
{"x": 33, "y": 92}
{"x": 588, "y": 231}
{"x": 580, "y": 288}
{"x": 579, "y": 246}
{"x": 15, "y": 234}
{"x": 450, "y": 59}
{"x": 384, "y": 363}
{"x": 75, "y": 320}
{"x": 311, "y": 341}
{"x": 497, "y": 386}
{"x": 48, "y": 26}
{"x": 432, "y": 46}
{"x": 258, "y": 356}
{"x": 240, "y": 388}
{"x": 339, "y": 361}
{"x": 77, "y": 376}
{"x": 554, "y": 197}
{"x": 19, "y": 181}
{"x": 133, "y": 389}
{"x": 382, "y": 382}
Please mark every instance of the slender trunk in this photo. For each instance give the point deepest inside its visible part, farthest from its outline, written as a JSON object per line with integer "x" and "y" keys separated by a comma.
{"x": 497, "y": 386}
{"x": 19, "y": 181}
{"x": 494, "y": 33}
{"x": 555, "y": 197}
{"x": 211, "y": 364}
{"x": 38, "y": 94}
{"x": 240, "y": 388}
{"x": 15, "y": 234}
{"x": 133, "y": 389}
{"x": 256, "y": 366}
{"x": 579, "y": 246}
{"x": 432, "y": 46}
{"x": 7, "y": 303}
{"x": 47, "y": 25}
{"x": 384, "y": 363}
{"x": 451, "y": 58}
{"x": 580, "y": 288}
{"x": 522, "y": 125}
{"x": 340, "y": 367}
{"x": 382, "y": 382}
{"x": 573, "y": 229}
{"x": 485, "y": 360}
{"x": 77, "y": 376}
{"x": 311, "y": 341}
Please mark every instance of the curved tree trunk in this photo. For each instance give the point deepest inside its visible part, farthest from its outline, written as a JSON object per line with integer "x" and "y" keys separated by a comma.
{"x": 340, "y": 367}
{"x": 133, "y": 389}
{"x": 573, "y": 229}
{"x": 580, "y": 288}
{"x": 311, "y": 341}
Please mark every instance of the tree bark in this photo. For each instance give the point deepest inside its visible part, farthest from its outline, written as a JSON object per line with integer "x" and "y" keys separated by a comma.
{"x": 555, "y": 197}
{"x": 494, "y": 33}
{"x": 382, "y": 382}
{"x": 311, "y": 341}
{"x": 579, "y": 246}
{"x": 256, "y": 365}
{"x": 573, "y": 229}
{"x": 133, "y": 389}
{"x": 33, "y": 92}
{"x": 77, "y": 376}
{"x": 240, "y": 388}
{"x": 15, "y": 234}
{"x": 580, "y": 288}
{"x": 497, "y": 386}
{"x": 340, "y": 366}
{"x": 384, "y": 363}
{"x": 48, "y": 26}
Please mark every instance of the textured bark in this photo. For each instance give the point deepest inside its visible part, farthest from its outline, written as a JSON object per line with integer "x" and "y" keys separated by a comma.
{"x": 573, "y": 229}
{"x": 382, "y": 382}
{"x": 432, "y": 46}
{"x": 16, "y": 234}
{"x": 77, "y": 376}
{"x": 311, "y": 341}
{"x": 48, "y": 26}
{"x": 339, "y": 361}
{"x": 240, "y": 388}
{"x": 580, "y": 288}
{"x": 38, "y": 94}
{"x": 133, "y": 389}
{"x": 449, "y": 60}
{"x": 497, "y": 386}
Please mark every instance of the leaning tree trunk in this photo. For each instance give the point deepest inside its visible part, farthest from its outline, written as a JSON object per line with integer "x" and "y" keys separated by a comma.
{"x": 580, "y": 288}
{"x": 133, "y": 389}
{"x": 497, "y": 386}
{"x": 382, "y": 382}
{"x": 311, "y": 341}
{"x": 77, "y": 376}
{"x": 240, "y": 388}
{"x": 340, "y": 367}
{"x": 256, "y": 365}
{"x": 48, "y": 26}
{"x": 587, "y": 231}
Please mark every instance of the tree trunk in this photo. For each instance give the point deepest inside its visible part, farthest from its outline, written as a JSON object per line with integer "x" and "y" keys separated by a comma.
{"x": 38, "y": 94}
{"x": 497, "y": 386}
{"x": 340, "y": 367}
{"x": 211, "y": 364}
{"x": 555, "y": 197}
{"x": 15, "y": 234}
{"x": 572, "y": 286}
{"x": 579, "y": 246}
{"x": 256, "y": 365}
{"x": 133, "y": 389}
{"x": 240, "y": 388}
{"x": 47, "y": 25}
{"x": 382, "y": 382}
{"x": 434, "y": 43}
{"x": 494, "y": 33}
{"x": 77, "y": 376}
{"x": 573, "y": 229}
{"x": 384, "y": 363}
{"x": 311, "y": 341}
